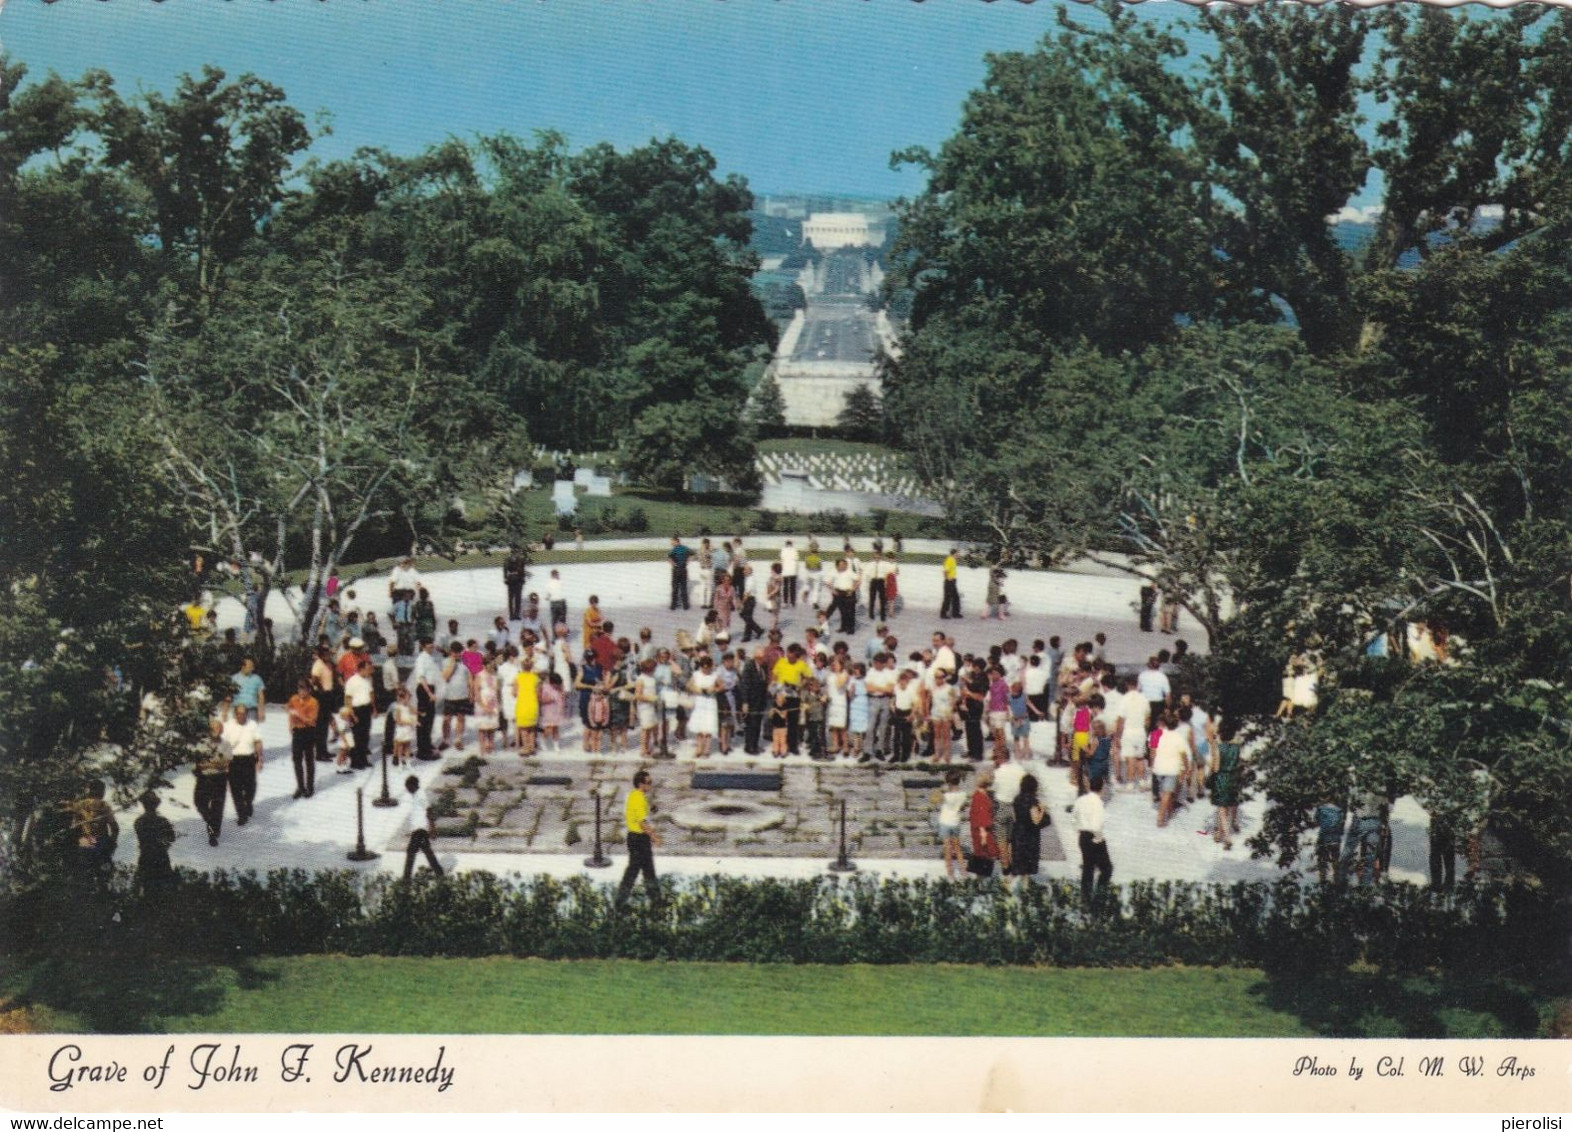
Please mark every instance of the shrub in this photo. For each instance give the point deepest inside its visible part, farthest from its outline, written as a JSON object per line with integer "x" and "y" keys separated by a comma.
{"x": 1283, "y": 927}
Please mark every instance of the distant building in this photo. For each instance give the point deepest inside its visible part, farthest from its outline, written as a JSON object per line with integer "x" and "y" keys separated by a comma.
{"x": 829, "y": 230}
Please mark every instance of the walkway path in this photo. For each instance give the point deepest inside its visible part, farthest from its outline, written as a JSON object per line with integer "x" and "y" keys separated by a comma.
{"x": 316, "y": 833}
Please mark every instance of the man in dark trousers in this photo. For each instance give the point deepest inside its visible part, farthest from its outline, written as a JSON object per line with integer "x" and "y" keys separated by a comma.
{"x": 1148, "y": 606}
{"x": 427, "y": 678}
{"x": 244, "y": 743}
{"x": 678, "y": 554}
{"x": 212, "y": 783}
{"x": 1096, "y": 866}
{"x": 515, "y": 570}
{"x": 421, "y": 827}
{"x": 753, "y": 700}
{"x": 641, "y": 841}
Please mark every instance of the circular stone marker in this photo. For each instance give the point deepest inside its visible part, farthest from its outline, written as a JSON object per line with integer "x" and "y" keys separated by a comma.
{"x": 728, "y": 816}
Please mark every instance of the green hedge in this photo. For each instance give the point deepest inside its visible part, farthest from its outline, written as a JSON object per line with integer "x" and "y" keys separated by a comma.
{"x": 1285, "y": 926}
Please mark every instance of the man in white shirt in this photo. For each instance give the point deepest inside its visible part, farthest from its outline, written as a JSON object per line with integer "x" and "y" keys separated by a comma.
{"x": 1131, "y": 731}
{"x": 421, "y": 827}
{"x": 360, "y": 694}
{"x": 903, "y": 704}
{"x": 1154, "y": 686}
{"x": 881, "y": 688}
{"x": 243, "y": 740}
{"x": 403, "y": 583}
{"x": 425, "y": 681}
{"x": 556, "y": 601}
{"x": 943, "y": 654}
{"x": 1094, "y": 849}
{"x": 789, "y": 574}
{"x": 881, "y": 569}
{"x": 843, "y": 587}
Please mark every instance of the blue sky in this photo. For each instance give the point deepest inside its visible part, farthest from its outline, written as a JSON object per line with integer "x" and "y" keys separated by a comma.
{"x": 804, "y": 95}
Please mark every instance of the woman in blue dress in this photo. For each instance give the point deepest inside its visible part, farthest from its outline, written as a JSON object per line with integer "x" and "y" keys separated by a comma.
{"x": 857, "y": 710}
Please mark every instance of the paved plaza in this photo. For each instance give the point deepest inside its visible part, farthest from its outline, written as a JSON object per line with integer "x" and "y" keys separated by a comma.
{"x": 547, "y": 825}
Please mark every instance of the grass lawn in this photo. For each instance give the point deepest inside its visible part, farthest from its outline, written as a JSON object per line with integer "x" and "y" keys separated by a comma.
{"x": 502, "y": 995}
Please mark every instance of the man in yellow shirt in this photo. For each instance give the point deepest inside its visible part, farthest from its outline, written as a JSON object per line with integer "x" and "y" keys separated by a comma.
{"x": 641, "y": 841}
{"x": 951, "y": 605}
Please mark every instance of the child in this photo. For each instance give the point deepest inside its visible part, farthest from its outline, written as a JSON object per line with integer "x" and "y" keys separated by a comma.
{"x": 778, "y": 726}
{"x": 813, "y": 705}
{"x": 404, "y": 720}
{"x": 344, "y": 730}
{"x": 1080, "y": 732}
{"x": 1066, "y": 723}
{"x": 951, "y": 803}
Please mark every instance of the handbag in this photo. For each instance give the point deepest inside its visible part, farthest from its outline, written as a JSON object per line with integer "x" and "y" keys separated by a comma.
{"x": 979, "y": 866}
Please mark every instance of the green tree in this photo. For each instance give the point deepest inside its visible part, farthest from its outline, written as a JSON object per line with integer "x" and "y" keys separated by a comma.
{"x": 89, "y": 614}
{"x": 863, "y": 416}
{"x": 767, "y": 407}
{"x": 212, "y": 161}
{"x": 669, "y": 443}
{"x": 1068, "y": 205}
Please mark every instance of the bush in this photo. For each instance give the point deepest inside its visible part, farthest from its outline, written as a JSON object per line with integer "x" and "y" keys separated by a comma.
{"x": 1283, "y": 927}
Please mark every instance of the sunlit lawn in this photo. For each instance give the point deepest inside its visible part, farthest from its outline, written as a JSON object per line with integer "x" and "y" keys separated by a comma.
{"x": 503, "y": 995}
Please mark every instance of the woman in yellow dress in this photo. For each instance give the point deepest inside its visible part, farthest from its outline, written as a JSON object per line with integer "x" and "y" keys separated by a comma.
{"x": 526, "y": 704}
{"x": 592, "y": 620}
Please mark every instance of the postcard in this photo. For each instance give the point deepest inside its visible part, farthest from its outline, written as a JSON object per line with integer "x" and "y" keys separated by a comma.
{"x": 850, "y": 556}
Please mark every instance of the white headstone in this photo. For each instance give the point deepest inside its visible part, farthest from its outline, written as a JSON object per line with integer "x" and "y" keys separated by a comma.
{"x": 562, "y": 497}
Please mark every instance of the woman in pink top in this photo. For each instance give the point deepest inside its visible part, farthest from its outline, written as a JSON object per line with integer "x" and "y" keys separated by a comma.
{"x": 552, "y": 698}
{"x": 998, "y": 711}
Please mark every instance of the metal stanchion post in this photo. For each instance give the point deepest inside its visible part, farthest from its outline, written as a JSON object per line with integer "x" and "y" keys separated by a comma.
{"x": 360, "y": 852}
{"x": 386, "y": 799}
{"x": 599, "y": 860}
{"x": 843, "y": 863}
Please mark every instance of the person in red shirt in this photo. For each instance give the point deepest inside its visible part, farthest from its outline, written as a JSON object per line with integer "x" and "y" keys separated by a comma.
{"x": 980, "y": 818}
{"x": 349, "y": 663}
{"x": 303, "y": 711}
{"x": 604, "y": 646}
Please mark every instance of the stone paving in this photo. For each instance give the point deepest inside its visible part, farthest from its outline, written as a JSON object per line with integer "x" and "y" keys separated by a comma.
{"x": 316, "y": 833}
{"x": 524, "y": 806}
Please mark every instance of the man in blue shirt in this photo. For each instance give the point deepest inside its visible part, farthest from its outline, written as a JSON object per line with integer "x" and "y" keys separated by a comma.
{"x": 679, "y": 572}
{"x": 249, "y": 691}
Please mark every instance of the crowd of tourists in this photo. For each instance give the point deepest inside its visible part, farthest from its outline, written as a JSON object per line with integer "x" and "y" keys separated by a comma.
{"x": 535, "y": 682}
